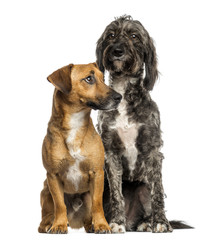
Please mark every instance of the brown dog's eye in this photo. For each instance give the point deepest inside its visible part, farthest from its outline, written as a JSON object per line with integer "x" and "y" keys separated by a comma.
{"x": 90, "y": 80}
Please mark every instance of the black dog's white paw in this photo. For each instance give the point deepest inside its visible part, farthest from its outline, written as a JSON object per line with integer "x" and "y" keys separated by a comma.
{"x": 144, "y": 227}
{"x": 117, "y": 228}
{"x": 162, "y": 228}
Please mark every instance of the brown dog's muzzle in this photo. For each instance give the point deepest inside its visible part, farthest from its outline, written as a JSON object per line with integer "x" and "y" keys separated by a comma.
{"x": 111, "y": 102}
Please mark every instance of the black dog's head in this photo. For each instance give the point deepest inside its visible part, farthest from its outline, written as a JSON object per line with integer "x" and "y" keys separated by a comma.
{"x": 124, "y": 48}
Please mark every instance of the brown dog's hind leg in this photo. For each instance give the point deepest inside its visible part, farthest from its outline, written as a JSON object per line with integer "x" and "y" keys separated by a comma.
{"x": 88, "y": 213}
{"x": 47, "y": 210}
{"x": 88, "y": 225}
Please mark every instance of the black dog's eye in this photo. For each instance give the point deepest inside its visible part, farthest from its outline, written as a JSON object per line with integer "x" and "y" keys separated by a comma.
{"x": 90, "y": 80}
{"x": 133, "y": 36}
{"x": 111, "y": 35}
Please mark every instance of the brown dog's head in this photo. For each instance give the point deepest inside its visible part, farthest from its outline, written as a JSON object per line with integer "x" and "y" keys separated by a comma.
{"x": 84, "y": 84}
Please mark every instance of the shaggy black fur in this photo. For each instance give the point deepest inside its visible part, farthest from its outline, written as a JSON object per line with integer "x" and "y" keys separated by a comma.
{"x": 134, "y": 197}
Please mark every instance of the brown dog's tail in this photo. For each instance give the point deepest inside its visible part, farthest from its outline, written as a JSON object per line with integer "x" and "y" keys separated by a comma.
{"x": 180, "y": 225}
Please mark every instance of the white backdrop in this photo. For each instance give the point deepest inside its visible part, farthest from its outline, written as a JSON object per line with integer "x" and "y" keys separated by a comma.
{"x": 38, "y": 37}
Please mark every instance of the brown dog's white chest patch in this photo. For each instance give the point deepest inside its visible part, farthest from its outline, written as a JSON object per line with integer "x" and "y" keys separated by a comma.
{"x": 74, "y": 174}
{"x": 75, "y": 123}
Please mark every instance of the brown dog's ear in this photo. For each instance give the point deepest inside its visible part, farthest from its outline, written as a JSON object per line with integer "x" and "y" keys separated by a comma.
{"x": 96, "y": 65}
{"x": 61, "y": 79}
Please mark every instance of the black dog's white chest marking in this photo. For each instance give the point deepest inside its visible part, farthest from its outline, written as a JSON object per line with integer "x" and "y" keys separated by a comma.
{"x": 127, "y": 131}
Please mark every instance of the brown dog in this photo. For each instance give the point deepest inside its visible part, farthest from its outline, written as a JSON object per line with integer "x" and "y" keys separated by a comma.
{"x": 73, "y": 153}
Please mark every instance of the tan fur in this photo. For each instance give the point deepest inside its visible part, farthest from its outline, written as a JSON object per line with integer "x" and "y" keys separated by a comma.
{"x": 70, "y": 97}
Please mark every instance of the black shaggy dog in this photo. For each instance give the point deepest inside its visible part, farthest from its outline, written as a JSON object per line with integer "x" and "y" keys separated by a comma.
{"x": 131, "y": 134}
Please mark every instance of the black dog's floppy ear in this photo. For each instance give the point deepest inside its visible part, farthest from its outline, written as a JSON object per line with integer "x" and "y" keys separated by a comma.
{"x": 99, "y": 54}
{"x": 150, "y": 60}
{"x": 61, "y": 79}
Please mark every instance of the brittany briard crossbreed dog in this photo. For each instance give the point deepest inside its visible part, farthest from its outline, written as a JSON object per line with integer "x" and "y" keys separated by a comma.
{"x": 131, "y": 134}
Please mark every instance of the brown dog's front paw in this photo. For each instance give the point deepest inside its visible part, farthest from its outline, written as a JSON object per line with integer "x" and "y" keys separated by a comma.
{"x": 58, "y": 229}
{"x": 44, "y": 229}
{"x": 89, "y": 228}
{"x": 102, "y": 228}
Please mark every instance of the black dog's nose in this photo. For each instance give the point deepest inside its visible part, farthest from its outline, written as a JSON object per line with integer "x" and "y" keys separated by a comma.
{"x": 118, "y": 52}
{"x": 117, "y": 97}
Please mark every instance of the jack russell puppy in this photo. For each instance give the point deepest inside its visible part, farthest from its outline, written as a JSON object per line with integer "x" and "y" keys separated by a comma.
{"x": 73, "y": 153}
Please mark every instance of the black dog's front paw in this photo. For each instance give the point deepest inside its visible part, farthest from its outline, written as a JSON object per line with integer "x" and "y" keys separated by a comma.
{"x": 144, "y": 227}
{"x": 117, "y": 228}
{"x": 162, "y": 228}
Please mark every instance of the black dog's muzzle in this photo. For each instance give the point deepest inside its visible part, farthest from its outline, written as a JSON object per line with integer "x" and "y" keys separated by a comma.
{"x": 117, "y": 52}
